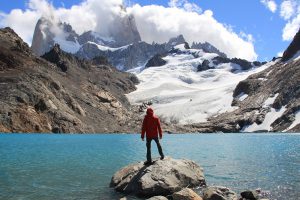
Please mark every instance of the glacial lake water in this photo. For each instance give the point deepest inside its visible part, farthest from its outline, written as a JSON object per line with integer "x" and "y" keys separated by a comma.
{"x": 42, "y": 167}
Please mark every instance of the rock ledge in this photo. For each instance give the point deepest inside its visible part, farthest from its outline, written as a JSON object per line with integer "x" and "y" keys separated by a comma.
{"x": 163, "y": 177}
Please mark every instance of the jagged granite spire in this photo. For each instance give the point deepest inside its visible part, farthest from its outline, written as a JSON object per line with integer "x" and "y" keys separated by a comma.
{"x": 44, "y": 37}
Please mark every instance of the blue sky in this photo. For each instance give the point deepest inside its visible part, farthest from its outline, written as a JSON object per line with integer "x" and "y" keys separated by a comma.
{"x": 247, "y": 16}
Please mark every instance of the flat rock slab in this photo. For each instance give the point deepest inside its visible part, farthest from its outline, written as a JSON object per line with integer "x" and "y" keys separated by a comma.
{"x": 163, "y": 177}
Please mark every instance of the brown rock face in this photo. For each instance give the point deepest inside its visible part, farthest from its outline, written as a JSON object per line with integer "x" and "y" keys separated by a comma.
{"x": 293, "y": 48}
{"x": 63, "y": 94}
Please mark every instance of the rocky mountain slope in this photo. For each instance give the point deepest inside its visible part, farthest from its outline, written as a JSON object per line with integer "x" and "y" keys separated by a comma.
{"x": 265, "y": 101}
{"x": 63, "y": 94}
{"x": 123, "y": 47}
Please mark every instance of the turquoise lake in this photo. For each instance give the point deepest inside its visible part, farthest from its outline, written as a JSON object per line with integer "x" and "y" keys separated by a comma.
{"x": 38, "y": 167}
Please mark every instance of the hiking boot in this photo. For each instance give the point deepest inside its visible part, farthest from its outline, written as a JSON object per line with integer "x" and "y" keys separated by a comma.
{"x": 147, "y": 162}
{"x": 162, "y": 157}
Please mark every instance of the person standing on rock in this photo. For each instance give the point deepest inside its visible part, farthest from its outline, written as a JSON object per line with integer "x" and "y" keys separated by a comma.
{"x": 151, "y": 127}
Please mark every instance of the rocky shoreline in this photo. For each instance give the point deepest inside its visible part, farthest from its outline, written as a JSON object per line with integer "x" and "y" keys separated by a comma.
{"x": 173, "y": 179}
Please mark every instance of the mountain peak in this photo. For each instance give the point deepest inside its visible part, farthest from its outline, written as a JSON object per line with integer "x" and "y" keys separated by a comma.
{"x": 49, "y": 32}
{"x": 176, "y": 41}
{"x": 208, "y": 48}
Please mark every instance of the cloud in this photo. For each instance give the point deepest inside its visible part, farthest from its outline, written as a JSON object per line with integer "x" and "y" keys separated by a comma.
{"x": 155, "y": 23}
{"x": 186, "y": 5}
{"x": 291, "y": 28}
{"x": 158, "y": 23}
{"x": 290, "y": 12}
{"x": 23, "y": 22}
{"x": 270, "y": 4}
{"x": 287, "y": 9}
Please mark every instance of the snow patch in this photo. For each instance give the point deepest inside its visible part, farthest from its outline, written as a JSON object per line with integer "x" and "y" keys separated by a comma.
{"x": 67, "y": 46}
{"x": 266, "y": 125}
{"x": 294, "y": 58}
{"x": 295, "y": 122}
{"x": 106, "y": 48}
{"x": 269, "y": 118}
{"x": 180, "y": 47}
{"x": 269, "y": 102}
{"x": 100, "y": 37}
{"x": 242, "y": 96}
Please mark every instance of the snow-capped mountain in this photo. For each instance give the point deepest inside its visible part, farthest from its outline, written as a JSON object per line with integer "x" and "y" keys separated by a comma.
{"x": 193, "y": 85}
{"x": 52, "y": 31}
{"x": 123, "y": 48}
{"x": 49, "y": 32}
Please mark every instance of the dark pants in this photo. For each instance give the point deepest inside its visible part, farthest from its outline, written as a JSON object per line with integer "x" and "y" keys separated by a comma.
{"x": 148, "y": 144}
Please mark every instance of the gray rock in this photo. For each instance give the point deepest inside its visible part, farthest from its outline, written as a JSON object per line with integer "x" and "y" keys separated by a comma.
{"x": 209, "y": 48}
{"x": 175, "y": 41}
{"x": 186, "y": 194}
{"x": 134, "y": 55}
{"x": 250, "y": 195}
{"x": 156, "y": 60}
{"x": 218, "y": 193}
{"x": 163, "y": 177}
{"x": 204, "y": 66}
{"x": 158, "y": 198}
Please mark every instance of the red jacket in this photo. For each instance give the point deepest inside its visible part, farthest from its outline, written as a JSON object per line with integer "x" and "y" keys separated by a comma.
{"x": 151, "y": 125}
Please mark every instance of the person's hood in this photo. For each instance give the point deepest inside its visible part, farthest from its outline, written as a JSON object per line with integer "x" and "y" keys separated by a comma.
{"x": 150, "y": 112}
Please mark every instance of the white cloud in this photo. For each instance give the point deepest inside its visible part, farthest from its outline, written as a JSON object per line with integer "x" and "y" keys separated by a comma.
{"x": 287, "y": 9}
{"x": 270, "y": 4}
{"x": 155, "y": 23}
{"x": 247, "y": 37}
{"x": 290, "y": 12}
{"x": 279, "y": 54}
{"x": 158, "y": 23}
{"x": 186, "y": 5}
{"x": 291, "y": 28}
{"x": 22, "y": 22}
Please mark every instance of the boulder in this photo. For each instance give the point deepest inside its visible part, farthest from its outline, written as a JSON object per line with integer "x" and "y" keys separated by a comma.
{"x": 186, "y": 194}
{"x": 163, "y": 177}
{"x": 156, "y": 61}
{"x": 250, "y": 195}
{"x": 219, "y": 193}
{"x": 158, "y": 198}
{"x": 204, "y": 66}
